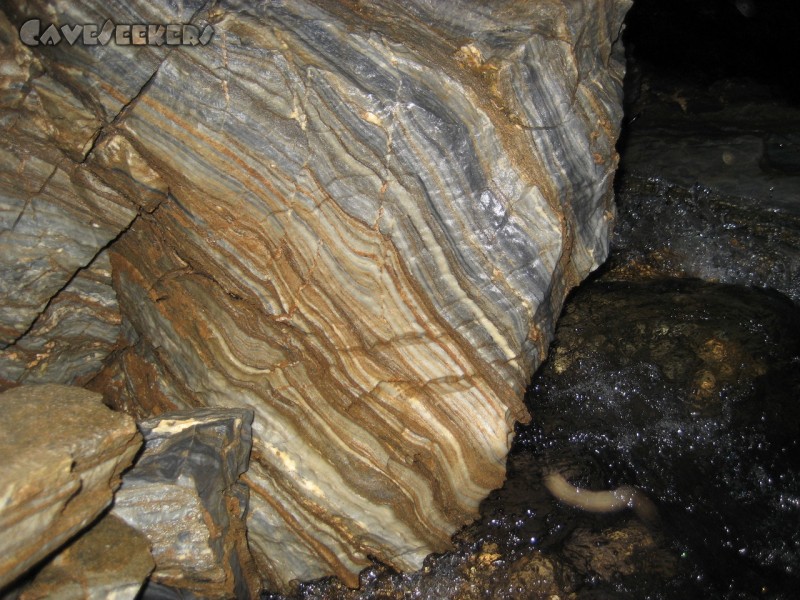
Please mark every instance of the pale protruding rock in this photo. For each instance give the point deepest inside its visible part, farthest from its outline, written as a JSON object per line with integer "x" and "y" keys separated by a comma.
{"x": 61, "y": 455}
{"x": 369, "y": 215}
{"x": 111, "y": 561}
{"x": 183, "y": 495}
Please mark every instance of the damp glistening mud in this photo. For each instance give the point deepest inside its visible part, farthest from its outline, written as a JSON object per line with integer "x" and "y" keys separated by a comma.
{"x": 684, "y": 390}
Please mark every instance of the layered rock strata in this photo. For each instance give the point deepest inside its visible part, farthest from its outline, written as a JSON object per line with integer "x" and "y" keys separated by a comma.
{"x": 68, "y": 342}
{"x": 61, "y": 456}
{"x": 64, "y": 196}
{"x": 183, "y": 495}
{"x": 359, "y": 221}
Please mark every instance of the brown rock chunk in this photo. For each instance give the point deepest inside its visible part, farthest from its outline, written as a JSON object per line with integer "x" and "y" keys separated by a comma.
{"x": 61, "y": 455}
{"x": 110, "y": 561}
{"x": 613, "y": 553}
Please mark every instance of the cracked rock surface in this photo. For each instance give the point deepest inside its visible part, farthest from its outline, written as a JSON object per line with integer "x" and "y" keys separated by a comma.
{"x": 358, "y": 220}
{"x": 59, "y": 209}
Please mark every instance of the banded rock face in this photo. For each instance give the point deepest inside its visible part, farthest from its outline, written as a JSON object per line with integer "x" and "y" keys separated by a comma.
{"x": 374, "y": 212}
{"x": 69, "y": 340}
{"x": 65, "y": 195}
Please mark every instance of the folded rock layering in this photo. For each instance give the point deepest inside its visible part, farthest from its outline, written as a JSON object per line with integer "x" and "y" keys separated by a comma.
{"x": 357, "y": 219}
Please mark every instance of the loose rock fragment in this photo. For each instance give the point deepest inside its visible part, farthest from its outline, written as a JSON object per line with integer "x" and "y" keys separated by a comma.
{"x": 183, "y": 495}
{"x": 61, "y": 455}
{"x": 111, "y": 561}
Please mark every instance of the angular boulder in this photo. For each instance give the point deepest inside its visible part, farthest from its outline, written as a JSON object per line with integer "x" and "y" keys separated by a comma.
{"x": 369, "y": 217}
{"x": 111, "y": 561}
{"x": 184, "y": 496}
{"x": 61, "y": 456}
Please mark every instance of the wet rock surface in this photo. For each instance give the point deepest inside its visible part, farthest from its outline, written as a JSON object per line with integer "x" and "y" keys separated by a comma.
{"x": 111, "y": 561}
{"x": 697, "y": 408}
{"x": 61, "y": 456}
{"x": 682, "y": 388}
{"x": 670, "y": 230}
{"x": 697, "y": 196}
{"x": 708, "y": 184}
{"x": 184, "y": 495}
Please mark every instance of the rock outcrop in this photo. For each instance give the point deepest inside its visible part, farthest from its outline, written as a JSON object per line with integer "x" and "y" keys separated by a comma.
{"x": 61, "y": 456}
{"x": 183, "y": 494}
{"x": 359, "y": 220}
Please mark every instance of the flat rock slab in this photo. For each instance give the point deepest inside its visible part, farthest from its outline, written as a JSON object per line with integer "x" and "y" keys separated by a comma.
{"x": 61, "y": 455}
{"x": 183, "y": 495}
{"x": 111, "y": 561}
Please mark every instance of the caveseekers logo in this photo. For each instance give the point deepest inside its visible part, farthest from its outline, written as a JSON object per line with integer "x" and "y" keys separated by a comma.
{"x": 32, "y": 34}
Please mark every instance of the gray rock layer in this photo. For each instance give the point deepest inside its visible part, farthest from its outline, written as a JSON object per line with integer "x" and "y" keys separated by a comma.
{"x": 70, "y": 339}
{"x": 183, "y": 495}
{"x": 373, "y": 213}
{"x": 59, "y": 207}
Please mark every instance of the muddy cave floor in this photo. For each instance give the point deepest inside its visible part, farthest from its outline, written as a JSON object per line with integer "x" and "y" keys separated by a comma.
{"x": 675, "y": 368}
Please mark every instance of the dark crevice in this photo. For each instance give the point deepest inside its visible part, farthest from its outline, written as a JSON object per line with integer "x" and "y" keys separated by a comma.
{"x": 109, "y": 129}
{"x": 68, "y": 282}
